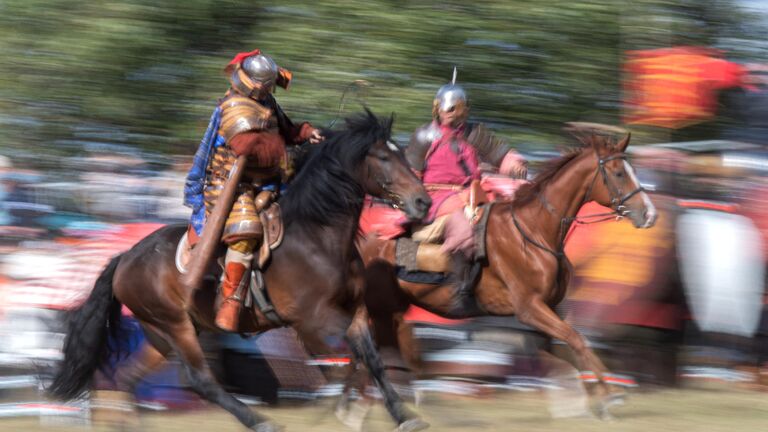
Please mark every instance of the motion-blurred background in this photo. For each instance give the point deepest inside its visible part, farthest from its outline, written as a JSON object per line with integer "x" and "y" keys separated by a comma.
{"x": 102, "y": 105}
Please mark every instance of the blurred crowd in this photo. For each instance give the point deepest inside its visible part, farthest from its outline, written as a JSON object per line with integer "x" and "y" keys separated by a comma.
{"x": 59, "y": 227}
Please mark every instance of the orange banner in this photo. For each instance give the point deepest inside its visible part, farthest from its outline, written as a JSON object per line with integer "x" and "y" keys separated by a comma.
{"x": 676, "y": 87}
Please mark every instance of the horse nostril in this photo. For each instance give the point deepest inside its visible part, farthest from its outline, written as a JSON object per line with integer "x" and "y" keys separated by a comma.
{"x": 423, "y": 203}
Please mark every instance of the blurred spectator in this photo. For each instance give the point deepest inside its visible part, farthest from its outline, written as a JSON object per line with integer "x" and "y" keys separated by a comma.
{"x": 5, "y": 164}
{"x": 16, "y": 205}
{"x": 746, "y": 108}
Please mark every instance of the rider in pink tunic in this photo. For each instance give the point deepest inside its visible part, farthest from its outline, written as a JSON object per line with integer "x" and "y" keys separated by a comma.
{"x": 449, "y": 161}
{"x": 447, "y": 154}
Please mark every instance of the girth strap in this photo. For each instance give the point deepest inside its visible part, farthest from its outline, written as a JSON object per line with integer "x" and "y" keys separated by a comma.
{"x": 258, "y": 291}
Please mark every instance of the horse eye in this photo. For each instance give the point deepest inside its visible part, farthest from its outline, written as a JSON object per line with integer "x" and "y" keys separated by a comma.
{"x": 620, "y": 174}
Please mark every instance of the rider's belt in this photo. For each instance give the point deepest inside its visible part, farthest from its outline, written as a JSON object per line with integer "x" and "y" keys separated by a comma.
{"x": 442, "y": 186}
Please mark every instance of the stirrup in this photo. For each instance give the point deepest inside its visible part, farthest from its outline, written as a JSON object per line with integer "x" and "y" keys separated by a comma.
{"x": 234, "y": 297}
{"x": 467, "y": 284}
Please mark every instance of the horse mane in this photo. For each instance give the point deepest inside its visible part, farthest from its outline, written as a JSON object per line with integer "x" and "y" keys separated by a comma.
{"x": 528, "y": 192}
{"x": 325, "y": 190}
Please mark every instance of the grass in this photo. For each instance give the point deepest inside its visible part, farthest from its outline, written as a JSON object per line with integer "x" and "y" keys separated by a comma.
{"x": 659, "y": 411}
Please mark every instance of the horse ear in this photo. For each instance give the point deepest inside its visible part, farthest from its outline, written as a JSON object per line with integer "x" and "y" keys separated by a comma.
{"x": 599, "y": 136}
{"x": 622, "y": 145}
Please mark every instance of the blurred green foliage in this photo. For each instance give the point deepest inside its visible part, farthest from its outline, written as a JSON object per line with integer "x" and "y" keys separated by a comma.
{"x": 147, "y": 72}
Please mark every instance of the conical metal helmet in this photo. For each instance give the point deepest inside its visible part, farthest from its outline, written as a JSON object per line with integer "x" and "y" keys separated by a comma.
{"x": 450, "y": 97}
{"x": 261, "y": 69}
{"x": 256, "y": 76}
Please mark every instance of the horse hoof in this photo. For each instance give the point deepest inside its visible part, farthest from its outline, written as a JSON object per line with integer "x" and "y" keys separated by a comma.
{"x": 418, "y": 398}
{"x": 412, "y": 425}
{"x": 267, "y": 427}
{"x": 353, "y": 416}
{"x": 610, "y": 401}
{"x": 605, "y": 415}
{"x": 615, "y": 399}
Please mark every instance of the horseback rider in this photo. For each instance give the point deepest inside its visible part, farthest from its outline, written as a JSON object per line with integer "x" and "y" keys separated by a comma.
{"x": 247, "y": 121}
{"x": 449, "y": 154}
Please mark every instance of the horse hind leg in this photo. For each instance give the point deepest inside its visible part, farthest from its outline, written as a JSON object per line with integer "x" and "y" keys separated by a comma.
{"x": 541, "y": 316}
{"x": 183, "y": 338}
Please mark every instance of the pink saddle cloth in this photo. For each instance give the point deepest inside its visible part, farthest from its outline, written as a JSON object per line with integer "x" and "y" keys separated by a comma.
{"x": 499, "y": 187}
{"x": 387, "y": 223}
{"x": 381, "y": 220}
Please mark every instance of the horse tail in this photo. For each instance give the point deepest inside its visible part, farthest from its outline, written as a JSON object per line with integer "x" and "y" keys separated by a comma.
{"x": 86, "y": 344}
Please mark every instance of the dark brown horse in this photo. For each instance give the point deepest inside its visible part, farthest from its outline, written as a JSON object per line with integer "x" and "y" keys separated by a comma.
{"x": 526, "y": 273}
{"x": 314, "y": 280}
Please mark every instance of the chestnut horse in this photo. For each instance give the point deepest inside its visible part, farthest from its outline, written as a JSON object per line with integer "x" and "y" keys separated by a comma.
{"x": 526, "y": 273}
{"x": 314, "y": 280}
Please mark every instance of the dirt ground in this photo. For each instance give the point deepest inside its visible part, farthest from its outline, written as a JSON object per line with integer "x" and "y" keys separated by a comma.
{"x": 658, "y": 411}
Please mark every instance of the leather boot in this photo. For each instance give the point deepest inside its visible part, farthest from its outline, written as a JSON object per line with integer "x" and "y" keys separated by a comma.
{"x": 465, "y": 273}
{"x": 231, "y": 296}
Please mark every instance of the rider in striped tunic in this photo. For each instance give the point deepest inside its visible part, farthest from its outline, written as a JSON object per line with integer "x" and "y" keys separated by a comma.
{"x": 247, "y": 121}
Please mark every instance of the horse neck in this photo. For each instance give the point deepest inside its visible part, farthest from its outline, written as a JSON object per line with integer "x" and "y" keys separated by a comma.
{"x": 336, "y": 240}
{"x": 561, "y": 198}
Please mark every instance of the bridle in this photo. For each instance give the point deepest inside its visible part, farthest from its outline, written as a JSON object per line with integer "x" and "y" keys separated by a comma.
{"x": 617, "y": 204}
{"x": 384, "y": 180}
{"x": 617, "y": 201}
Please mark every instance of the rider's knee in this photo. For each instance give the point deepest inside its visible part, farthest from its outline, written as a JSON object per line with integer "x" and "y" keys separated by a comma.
{"x": 245, "y": 246}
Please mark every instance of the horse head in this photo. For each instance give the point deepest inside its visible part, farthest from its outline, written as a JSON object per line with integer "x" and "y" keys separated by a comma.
{"x": 615, "y": 184}
{"x": 384, "y": 171}
{"x": 353, "y": 161}
{"x": 386, "y": 174}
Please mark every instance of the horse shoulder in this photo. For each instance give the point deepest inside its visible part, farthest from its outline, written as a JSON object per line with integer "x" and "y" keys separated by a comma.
{"x": 521, "y": 267}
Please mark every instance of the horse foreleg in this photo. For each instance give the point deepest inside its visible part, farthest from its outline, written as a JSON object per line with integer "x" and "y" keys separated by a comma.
{"x": 568, "y": 398}
{"x": 353, "y": 413}
{"x": 183, "y": 338}
{"x": 394, "y": 338}
{"x": 542, "y": 317}
{"x": 363, "y": 348}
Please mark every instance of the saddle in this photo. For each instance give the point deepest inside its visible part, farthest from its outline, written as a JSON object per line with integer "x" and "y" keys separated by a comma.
{"x": 272, "y": 223}
{"x": 422, "y": 252}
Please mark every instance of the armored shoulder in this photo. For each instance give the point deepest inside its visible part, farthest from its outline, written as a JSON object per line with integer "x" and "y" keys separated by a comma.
{"x": 421, "y": 140}
{"x": 490, "y": 148}
{"x": 242, "y": 114}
